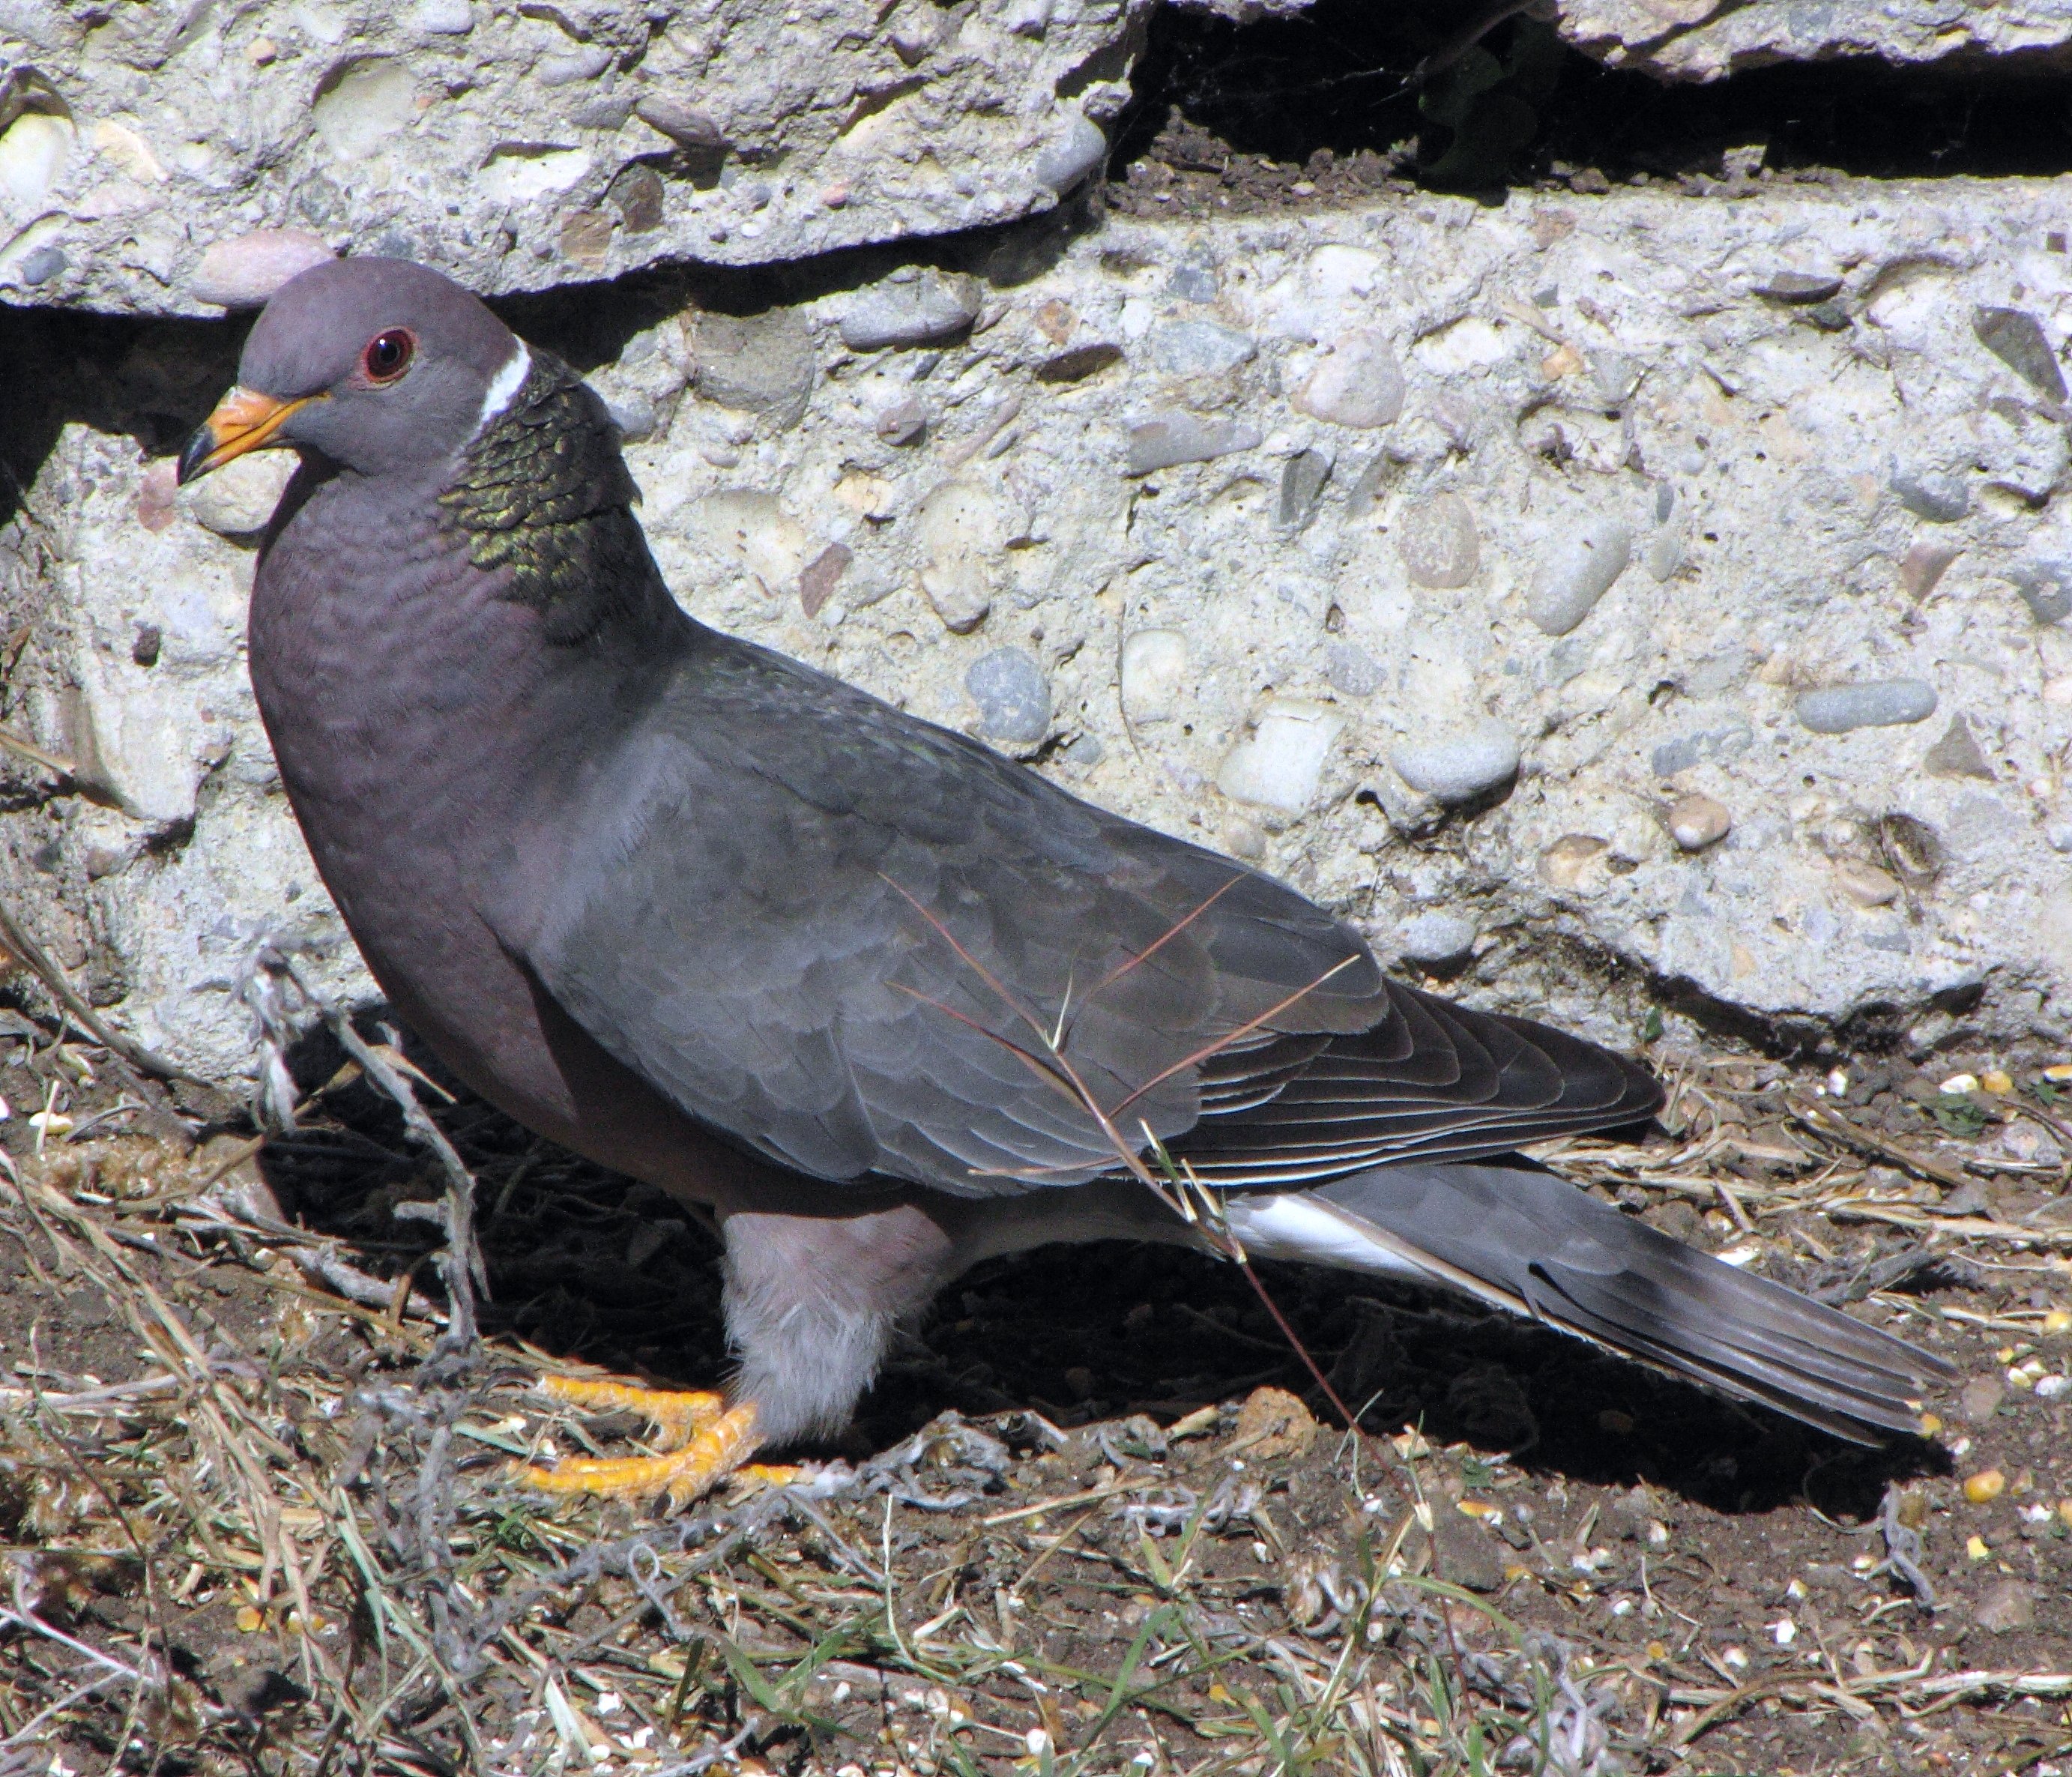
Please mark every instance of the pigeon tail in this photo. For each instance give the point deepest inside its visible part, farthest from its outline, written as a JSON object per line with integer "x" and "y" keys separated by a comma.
{"x": 1529, "y": 1241}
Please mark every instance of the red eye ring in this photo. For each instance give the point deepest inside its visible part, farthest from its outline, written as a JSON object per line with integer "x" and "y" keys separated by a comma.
{"x": 389, "y": 355}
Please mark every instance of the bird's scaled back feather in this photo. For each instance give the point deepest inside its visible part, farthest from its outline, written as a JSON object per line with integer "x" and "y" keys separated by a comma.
{"x": 861, "y": 944}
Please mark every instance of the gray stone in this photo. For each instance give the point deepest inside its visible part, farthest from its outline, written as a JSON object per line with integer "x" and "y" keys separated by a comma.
{"x": 1435, "y": 537}
{"x": 1302, "y": 478}
{"x": 756, "y": 363}
{"x": 43, "y": 265}
{"x": 1800, "y": 286}
{"x": 2046, "y": 589}
{"x": 1351, "y": 671}
{"x": 1940, "y": 498}
{"x": 1192, "y": 282}
{"x": 909, "y": 308}
{"x": 1013, "y": 698}
{"x": 1072, "y": 156}
{"x": 1459, "y": 768}
{"x": 1166, "y": 440}
{"x": 1434, "y": 940}
{"x": 1200, "y": 348}
{"x": 905, "y": 422}
{"x": 2015, "y": 337}
{"x": 1576, "y": 574}
{"x": 1876, "y": 703}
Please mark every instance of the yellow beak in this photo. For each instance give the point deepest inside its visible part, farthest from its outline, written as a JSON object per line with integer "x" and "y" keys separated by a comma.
{"x": 244, "y": 420}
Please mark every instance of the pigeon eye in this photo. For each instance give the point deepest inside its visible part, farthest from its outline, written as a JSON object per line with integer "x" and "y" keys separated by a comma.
{"x": 389, "y": 355}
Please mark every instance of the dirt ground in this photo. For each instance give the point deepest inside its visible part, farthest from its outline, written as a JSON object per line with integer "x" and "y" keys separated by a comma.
{"x": 1096, "y": 1518}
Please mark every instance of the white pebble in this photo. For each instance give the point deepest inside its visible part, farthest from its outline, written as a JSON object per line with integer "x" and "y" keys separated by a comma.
{"x": 1282, "y": 763}
{"x": 1959, "y": 1083}
{"x": 1154, "y": 674}
{"x": 1358, "y": 384}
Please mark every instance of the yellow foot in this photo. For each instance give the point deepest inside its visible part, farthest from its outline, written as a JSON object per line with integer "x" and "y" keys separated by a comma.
{"x": 704, "y": 1441}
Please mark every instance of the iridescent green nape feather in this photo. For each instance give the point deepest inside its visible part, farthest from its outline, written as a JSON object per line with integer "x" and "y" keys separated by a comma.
{"x": 543, "y": 493}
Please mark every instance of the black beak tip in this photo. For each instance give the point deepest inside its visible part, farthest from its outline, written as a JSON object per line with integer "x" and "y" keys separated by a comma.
{"x": 194, "y": 454}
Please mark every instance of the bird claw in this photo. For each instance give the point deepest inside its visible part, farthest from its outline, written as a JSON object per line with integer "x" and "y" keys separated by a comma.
{"x": 704, "y": 1441}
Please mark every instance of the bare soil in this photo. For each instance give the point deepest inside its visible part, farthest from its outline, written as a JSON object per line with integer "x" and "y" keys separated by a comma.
{"x": 1097, "y": 1499}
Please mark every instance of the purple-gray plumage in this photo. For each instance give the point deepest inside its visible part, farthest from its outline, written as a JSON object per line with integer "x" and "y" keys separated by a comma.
{"x": 886, "y": 1001}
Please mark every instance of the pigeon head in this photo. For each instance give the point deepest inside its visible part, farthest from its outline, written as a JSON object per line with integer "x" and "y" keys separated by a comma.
{"x": 375, "y": 365}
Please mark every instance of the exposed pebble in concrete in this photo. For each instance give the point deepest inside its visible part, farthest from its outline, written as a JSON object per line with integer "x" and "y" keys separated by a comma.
{"x": 1013, "y": 698}
{"x": 1577, "y": 574}
{"x": 1799, "y": 287}
{"x": 1923, "y": 566}
{"x": 1351, "y": 671}
{"x": 1956, "y": 754}
{"x": 2046, "y": 589}
{"x": 1166, "y": 440}
{"x": 2017, "y": 338}
{"x": 756, "y": 363}
{"x": 366, "y": 108}
{"x": 1302, "y": 478}
{"x": 1200, "y": 348}
{"x": 1067, "y": 161}
{"x": 238, "y": 498}
{"x": 1940, "y": 498}
{"x": 1154, "y": 675}
{"x": 1434, "y": 940}
{"x": 1079, "y": 362}
{"x": 244, "y": 273}
{"x": 1459, "y": 768}
{"x": 905, "y": 422}
{"x": 1565, "y": 863}
{"x": 819, "y": 576}
{"x": 1866, "y": 885}
{"x": 910, "y": 308}
{"x": 1698, "y": 820}
{"x": 964, "y": 529}
{"x": 1435, "y": 537}
{"x": 1358, "y": 384}
{"x": 1279, "y": 765}
{"x": 1879, "y": 703}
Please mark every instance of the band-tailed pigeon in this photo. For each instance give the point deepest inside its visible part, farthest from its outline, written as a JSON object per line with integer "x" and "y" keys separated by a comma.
{"x": 886, "y": 1002}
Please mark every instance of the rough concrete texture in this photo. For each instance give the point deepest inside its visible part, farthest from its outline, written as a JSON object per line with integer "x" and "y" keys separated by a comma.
{"x": 1666, "y": 636}
{"x": 526, "y": 145}
{"x": 1703, "y": 39}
